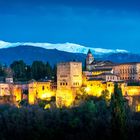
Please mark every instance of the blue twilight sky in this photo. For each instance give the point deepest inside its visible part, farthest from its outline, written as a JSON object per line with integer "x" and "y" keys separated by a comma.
{"x": 110, "y": 24}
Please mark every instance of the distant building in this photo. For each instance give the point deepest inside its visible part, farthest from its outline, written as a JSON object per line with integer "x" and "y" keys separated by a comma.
{"x": 103, "y": 70}
{"x": 128, "y": 71}
{"x": 109, "y": 77}
{"x": 9, "y": 80}
{"x": 125, "y": 71}
{"x": 92, "y": 64}
{"x": 89, "y": 61}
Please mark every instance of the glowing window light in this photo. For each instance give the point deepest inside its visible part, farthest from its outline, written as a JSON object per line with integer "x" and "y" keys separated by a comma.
{"x": 45, "y": 95}
{"x": 138, "y": 108}
{"x": 87, "y": 89}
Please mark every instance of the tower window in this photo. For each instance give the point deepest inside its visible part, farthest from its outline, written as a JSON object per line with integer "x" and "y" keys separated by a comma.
{"x": 43, "y": 87}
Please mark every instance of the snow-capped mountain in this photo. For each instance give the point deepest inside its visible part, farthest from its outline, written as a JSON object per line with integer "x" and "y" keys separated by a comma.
{"x": 55, "y": 53}
{"x": 30, "y": 53}
{"x": 67, "y": 47}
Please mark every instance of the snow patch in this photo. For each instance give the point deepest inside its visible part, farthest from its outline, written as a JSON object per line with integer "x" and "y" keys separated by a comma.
{"x": 68, "y": 47}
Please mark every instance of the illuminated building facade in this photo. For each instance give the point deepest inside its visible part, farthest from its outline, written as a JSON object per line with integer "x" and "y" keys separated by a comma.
{"x": 128, "y": 71}
{"x": 17, "y": 92}
{"x": 95, "y": 86}
{"x": 10, "y": 92}
{"x": 5, "y": 89}
{"x": 102, "y": 70}
{"x": 39, "y": 90}
{"x": 108, "y": 77}
{"x": 69, "y": 79}
{"x": 32, "y": 92}
{"x": 124, "y": 71}
{"x": 100, "y": 74}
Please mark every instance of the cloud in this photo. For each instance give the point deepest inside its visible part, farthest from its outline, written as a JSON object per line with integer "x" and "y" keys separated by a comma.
{"x": 68, "y": 47}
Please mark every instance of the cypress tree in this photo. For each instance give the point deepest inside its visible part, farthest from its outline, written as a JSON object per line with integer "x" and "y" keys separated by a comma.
{"x": 118, "y": 114}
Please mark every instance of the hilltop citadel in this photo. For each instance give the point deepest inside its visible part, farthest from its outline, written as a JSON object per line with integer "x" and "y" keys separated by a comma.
{"x": 96, "y": 78}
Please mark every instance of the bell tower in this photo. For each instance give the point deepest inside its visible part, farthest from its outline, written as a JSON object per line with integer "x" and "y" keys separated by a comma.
{"x": 89, "y": 60}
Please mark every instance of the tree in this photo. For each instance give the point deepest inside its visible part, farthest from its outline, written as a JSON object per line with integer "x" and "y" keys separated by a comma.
{"x": 105, "y": 96}
{"x": 84, "y": 66}
{"x": 48, "y": 70}
{"x": 28, "y": 72}
{"x": 23, "y": 102}
{"x": 19, "y": 70}
{"x": 2, "y": 72}
{"x": 54, "y": 73}
{"x": 38, "y": 70}
{"x": 118, "y": 114}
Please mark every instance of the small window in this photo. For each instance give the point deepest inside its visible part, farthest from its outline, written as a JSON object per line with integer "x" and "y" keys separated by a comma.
{"x": 43, "y": 88}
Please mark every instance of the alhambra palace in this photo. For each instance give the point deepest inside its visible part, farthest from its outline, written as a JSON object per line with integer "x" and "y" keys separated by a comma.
{"x": 98, "y": 77}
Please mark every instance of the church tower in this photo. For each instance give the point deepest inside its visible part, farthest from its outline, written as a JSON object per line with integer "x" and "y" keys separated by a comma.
{"x": 89, "y": 60}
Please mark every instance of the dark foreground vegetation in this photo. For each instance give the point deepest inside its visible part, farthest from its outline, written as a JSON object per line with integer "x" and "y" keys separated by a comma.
{"x": 89, "y": 121}
{"x": 95, "y": 118}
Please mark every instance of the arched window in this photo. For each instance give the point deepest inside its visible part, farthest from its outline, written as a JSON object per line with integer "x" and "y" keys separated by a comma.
{"x": 43, "y": 88}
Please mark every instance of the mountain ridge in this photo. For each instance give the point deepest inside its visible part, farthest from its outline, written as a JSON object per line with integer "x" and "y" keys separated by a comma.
{"x": 29, "y": 54}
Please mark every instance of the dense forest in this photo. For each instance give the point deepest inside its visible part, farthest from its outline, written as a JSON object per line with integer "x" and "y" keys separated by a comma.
{"x": 95, "y": 118}
{"x": 23, "y": 72}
